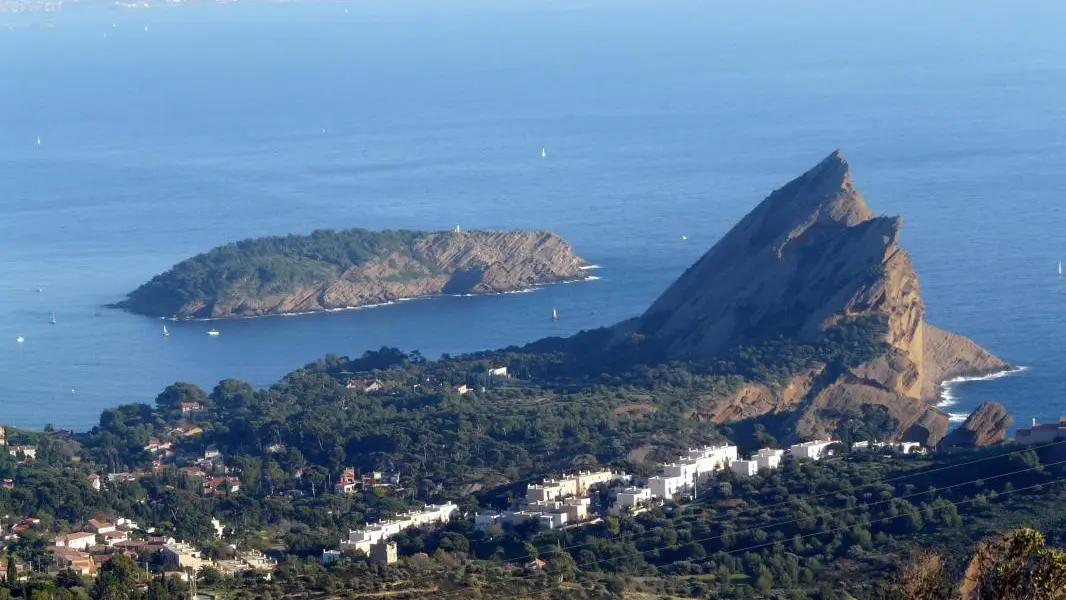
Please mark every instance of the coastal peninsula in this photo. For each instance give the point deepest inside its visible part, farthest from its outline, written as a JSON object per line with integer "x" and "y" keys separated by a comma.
{"x": 337, "y": 269}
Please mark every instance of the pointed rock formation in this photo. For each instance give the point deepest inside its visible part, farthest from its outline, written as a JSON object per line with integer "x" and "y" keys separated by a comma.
{"x": 987, "y": 426}
{"x": 809, "y": 258}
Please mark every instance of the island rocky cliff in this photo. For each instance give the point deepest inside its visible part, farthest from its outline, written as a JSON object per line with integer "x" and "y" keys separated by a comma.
{"x": 352, "y": 268}
{"x": 809, "y": 260}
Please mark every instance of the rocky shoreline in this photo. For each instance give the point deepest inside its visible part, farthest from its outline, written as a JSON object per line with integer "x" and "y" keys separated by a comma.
{"x": 317, "y": 273}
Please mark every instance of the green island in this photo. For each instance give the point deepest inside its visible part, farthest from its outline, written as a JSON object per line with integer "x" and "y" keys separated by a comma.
{"x": 765, "y": 430}
{"x": 337, "y": 269}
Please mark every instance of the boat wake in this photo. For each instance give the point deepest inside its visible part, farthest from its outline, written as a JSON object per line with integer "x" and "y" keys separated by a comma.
{"x": 946, "y": 391}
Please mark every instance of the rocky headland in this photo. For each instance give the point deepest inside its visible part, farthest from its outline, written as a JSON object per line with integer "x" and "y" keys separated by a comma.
{"x": 810, "y": 263}
{"x": 330, "y": 269}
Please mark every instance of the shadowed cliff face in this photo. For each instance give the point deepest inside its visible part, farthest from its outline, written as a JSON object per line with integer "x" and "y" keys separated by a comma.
{"x": 810, "y": 257}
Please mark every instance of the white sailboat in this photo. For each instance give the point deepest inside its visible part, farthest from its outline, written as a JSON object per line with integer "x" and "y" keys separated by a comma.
{"x": 1060, "y": 269}
{"x": 543, "y": 153}
{"x": 165, "y": 332}
{"x": 20, "y": 339}
{"x": 38, "y": 141}
{"x": 555, "y": 315}
{"x": 53, "y": 317}
{"x": 212, "y": 332}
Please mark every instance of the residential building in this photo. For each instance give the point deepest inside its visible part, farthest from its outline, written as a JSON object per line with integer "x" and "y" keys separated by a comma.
{"x": 632, "y": 497}
{"x": 101, "y": 526}
{"x": 330, "y": 556}
{"x": 346, "y": 482}
{"x": 212, "y": 452}
{"x": 383, "y": 553}
{"x": 814, "y": 450}
{"x": 577, "y": 484}
{"x": 126, "y": 524}
{"x": 94, "y": 481}
{"x": 78, "y": 541}
{"x": 461, "y": 389}
{"x": 576, "y": 509}
{"x": 79, "y": 562}
{"x": 662, "y": 486}
{"x": 27, "y": 452}
{"x": 867, "y": 446}
{"x": 155, "y": 446}
{"x": 191, "y": 407}
{"x": 432, "y": 514}
{"x": 114, "y": 537}
{"x": 909, "y": 448}
{"x": 276, "y": 448}
{"x": 365, "y": 387}
{"x": 486, "y": 520}
{"x": 1043, "y": 433}
{"x": 186, "y": 556}
{"x": 498, "y": 372}
{"x": 553, "y": 520}
{"x": 256, "y": 560}
{"x": 768, "y": 458}
{"x": 746, "y": 468}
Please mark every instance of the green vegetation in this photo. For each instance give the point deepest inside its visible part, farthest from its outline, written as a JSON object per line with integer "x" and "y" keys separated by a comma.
{"x": 270, "y": 264}
{"x": 808, "y": 530}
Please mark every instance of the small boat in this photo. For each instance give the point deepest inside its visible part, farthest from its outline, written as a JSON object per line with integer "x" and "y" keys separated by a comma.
{"x": 543, "y": 153}
{"x": 684, "y": 238}
{"x": 38, "y": 141}
{"x": 1060, "y": 269}
{"x": 555, "y": 315}
{"x": 165, "y": 332}
{"x": 20, "y": 339}
{"x": 53, "y": 317}
{"x": 211, "y": 332}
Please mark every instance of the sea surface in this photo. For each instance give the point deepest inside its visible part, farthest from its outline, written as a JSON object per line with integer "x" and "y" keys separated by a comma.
{"x": 167, "y": 131}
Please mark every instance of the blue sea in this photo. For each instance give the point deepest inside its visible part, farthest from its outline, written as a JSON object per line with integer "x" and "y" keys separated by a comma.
{"x": 166, "y": 131}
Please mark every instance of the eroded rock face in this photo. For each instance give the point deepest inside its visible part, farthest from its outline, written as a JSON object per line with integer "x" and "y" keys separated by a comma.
{"x": 811, "y": 256}
{"x": 987, "y": 426}
{"x": 470, "y": 262}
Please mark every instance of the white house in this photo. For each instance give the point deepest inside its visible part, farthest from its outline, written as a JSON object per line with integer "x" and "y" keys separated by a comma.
{"x": 745, "y": 468}
{"x": 815, "y": 450}
{"x": 101, "y": 526}
{"x": 662, "y": 486}
{"x": 908, "y": 447}
{"x": 363, "y": 539}
{"x": 768, "y": 458}
{"x": 553, "y": 520}
{"x": 77, "y": 541}
{"x": 185, "y": 555}
{"x": 632, "y": 497}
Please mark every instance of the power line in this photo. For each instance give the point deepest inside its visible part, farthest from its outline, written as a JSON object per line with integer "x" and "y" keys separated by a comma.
{"x": 838, "y": 511}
